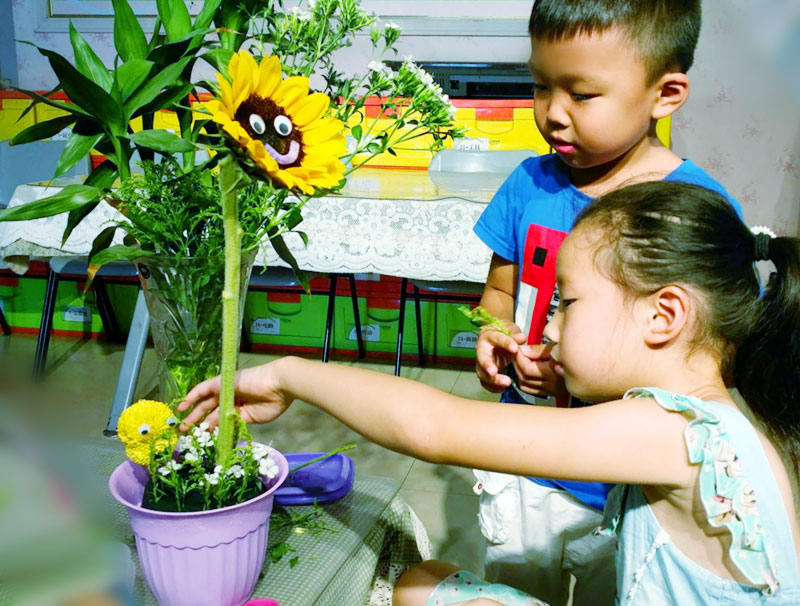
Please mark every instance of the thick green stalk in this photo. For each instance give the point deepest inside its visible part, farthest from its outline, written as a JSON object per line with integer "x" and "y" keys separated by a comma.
{"x": 229, "y": 180}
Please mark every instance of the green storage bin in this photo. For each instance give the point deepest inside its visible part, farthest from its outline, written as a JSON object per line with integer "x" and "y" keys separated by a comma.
{"x": 290, "y": 318}
{"x": 22, "y": 302}
{"x": 456, "y": 335}
{"x": 380, "y": 318}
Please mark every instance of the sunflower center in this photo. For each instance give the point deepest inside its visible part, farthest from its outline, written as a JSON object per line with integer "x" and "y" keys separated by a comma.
{"x": 266, "y": 121}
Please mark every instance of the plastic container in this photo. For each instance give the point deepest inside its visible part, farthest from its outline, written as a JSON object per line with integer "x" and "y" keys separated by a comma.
{"x": 323, "y": 481}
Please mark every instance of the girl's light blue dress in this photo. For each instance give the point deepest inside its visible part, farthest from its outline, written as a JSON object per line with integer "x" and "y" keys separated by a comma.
{"x": 738, "y": 492}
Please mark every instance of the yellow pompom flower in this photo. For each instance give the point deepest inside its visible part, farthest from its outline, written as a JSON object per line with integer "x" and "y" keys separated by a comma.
{"x": 278, "y": 124}
{"x": 144, "y": 425}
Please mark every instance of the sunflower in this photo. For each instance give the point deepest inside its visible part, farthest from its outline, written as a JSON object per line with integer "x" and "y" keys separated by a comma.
{"x": 279, "y": 125}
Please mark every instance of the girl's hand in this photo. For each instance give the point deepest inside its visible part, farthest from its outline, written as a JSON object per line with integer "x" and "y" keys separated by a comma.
{"x": 258, "y": 397}
{"x": 535, "y": 371}
{"x": 494, "y": 351}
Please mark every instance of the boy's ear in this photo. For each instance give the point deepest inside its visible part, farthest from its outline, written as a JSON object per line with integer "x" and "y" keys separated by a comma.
{"x": 673, "y": 91}
{"x": 668, "y": 314}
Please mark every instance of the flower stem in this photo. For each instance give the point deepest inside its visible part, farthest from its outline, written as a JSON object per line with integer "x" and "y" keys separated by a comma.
{"x": 230, "y": 181}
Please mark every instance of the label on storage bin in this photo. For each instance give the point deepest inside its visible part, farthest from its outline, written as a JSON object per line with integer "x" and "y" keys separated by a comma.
{"x": 465, "y": 339}
{"x": 472, "y": 143}
{"x": 369, "y": 332}
{"x": 75, "y": 313}
{"x": 266, "y": 326}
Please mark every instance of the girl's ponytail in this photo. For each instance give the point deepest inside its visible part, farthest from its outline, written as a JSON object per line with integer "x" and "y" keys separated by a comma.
{"x": 767, "y": 363}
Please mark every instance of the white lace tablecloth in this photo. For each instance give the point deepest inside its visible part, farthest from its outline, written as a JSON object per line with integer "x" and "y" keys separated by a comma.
{"x": 420, "y": 239}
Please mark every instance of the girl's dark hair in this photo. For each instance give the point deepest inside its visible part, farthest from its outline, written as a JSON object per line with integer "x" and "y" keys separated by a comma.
{"x": 663, "y": 32}
{"x": 662, "y": 233}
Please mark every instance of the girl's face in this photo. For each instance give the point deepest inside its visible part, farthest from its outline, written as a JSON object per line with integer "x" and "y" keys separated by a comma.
{"x": 598, "y": 331}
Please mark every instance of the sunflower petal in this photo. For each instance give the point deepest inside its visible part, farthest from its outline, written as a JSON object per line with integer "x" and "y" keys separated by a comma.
{"x": 308, "y": 109}
{"x": 290, "y": 91}
{"x": 270, "y": 76}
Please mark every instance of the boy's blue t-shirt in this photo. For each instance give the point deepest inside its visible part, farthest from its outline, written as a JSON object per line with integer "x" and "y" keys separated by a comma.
{"x": 525, "y": 223}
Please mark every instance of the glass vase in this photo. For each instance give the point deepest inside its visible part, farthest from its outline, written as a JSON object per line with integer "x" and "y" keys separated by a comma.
{"x": 184, "y": 298}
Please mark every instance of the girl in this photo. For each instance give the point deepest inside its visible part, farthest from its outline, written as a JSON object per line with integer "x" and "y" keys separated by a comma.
{"x": 660, "y": 308}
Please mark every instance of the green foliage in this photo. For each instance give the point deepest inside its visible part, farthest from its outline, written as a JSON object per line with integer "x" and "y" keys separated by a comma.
{"x": 306, "y": 39}
{"x": 483, "y": 319}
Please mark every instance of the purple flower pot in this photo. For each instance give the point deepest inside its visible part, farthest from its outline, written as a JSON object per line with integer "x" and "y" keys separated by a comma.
{"x": 199, "y": 558}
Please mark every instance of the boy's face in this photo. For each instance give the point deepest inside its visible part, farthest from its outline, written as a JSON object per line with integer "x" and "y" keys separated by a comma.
{"x": 592, "y": 103}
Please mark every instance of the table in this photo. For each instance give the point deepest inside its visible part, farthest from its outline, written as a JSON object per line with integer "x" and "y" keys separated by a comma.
{"x": 393, "y": 222}
{"x": 374, "y": 530}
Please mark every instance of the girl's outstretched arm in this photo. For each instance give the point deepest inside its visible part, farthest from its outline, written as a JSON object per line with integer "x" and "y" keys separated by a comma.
{"x": 633, "y": 441}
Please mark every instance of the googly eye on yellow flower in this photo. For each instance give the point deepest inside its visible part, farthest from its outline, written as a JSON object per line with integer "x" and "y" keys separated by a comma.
{"x": 280, "y": 126}
{"x": 144, "y": 425}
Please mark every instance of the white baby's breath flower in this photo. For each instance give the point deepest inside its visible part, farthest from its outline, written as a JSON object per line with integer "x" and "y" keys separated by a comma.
{"x": 167, "y": 469}
{"x": 191, "y": 457}
{"x": 394, "y": 26}
{"x": 260, "y": 451}
{"x": 312, "y": 4}
{"x": 204, "y": 426}
{"x": 376, "y": 66}
{"x": 268, "y": 468}
{"x": 213, "y": 478}
{"x": 184, "y": 443}
{"x": 236, "y": 471}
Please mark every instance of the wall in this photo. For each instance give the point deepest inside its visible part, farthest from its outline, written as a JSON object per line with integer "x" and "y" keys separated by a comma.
{"x": 741, "y": 123}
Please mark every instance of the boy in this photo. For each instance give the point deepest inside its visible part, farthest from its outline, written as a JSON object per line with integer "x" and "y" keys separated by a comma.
{"x": 604, "y": 72}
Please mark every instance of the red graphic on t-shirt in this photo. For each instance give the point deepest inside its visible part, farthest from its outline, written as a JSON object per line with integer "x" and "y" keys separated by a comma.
{"x": 537, "y": 280}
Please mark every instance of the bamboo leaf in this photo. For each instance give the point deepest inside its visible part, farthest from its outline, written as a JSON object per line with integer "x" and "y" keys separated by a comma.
{"x": 68, "y": 199}
{"x": 162, "y": 141}
{"x": 101, "y": 242}
{"x": 206, "y": 14}
{"x": 87, "y": 61}
{"x": 131, "y": 75}
{"x": 166, "y": 99}
{"x": 118, "y": 252}
{"x": 218, "y": 58}
{"x": 85, "y": 93}
{"x": 150, "y": 89}
{"x": 176, "y": 18}
{"x": 67, "y": 107}
{"x": 284, "y": 253}
{"x": 78, "y": 147}
{"x": 129, "y": 39}
{"x": 43, "y": 130}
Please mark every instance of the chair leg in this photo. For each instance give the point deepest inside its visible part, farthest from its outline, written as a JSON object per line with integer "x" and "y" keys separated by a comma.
{"x": 356, "y": 316}
{"x": 4, "y": 324}
{"x": 131, "y": 363}
{"x": 107, "y": 316}
{"x": 400, "y": 326}
{"x": 45, "y": 325}
{"x": 418, "y": 312}
{"x": 329, "y": 321}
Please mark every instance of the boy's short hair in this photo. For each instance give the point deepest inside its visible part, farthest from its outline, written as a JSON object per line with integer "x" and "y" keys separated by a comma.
{"x": 663, "y": 32}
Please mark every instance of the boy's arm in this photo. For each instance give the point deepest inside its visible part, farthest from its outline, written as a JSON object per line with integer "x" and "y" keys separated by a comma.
{"x": 501, "y": 288}
{"x": 494, "y": 350}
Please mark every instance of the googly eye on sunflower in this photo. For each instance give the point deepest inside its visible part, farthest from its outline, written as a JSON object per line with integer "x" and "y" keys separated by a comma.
{"x": 279, "y": 125}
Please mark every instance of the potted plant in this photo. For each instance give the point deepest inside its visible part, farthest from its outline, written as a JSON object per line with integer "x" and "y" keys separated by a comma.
{"x": 269, "y": 144}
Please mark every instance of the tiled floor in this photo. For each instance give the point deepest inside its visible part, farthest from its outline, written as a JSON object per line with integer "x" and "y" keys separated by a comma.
{"x": 81, "y": 375}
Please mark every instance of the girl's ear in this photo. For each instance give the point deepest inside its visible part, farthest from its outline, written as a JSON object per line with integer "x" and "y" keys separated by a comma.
{"x": 668, "y": 314}
{"x": 672, "y": 91}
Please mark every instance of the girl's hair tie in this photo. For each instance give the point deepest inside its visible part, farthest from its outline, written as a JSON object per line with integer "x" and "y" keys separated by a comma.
{"x": 763, "y": 235}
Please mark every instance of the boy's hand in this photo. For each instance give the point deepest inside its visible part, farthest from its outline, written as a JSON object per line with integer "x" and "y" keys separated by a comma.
{"x": 494, "y": 351}
{"x": 258, "y": 397}
{"x": 535, "y": 371}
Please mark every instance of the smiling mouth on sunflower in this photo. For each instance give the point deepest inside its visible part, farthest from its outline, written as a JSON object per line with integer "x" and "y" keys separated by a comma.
{"x": 265, "y": 121}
